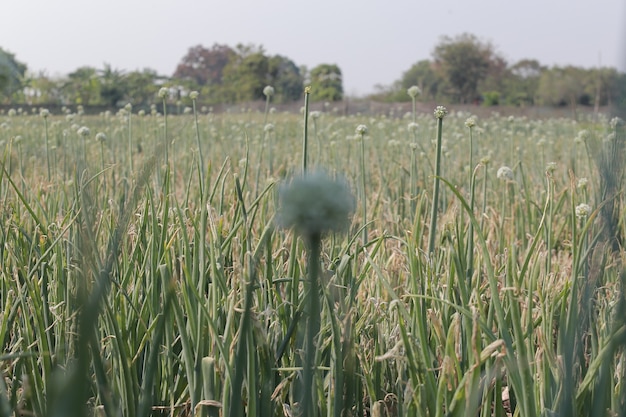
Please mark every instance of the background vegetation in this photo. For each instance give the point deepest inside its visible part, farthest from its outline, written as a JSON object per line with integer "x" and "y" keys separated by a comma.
{"x": 463, "y": 69}
{"x": 139, "y": 278}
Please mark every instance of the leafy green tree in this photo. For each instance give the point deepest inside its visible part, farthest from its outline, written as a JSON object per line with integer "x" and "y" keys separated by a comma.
{"x": 423, "y": 75}
{"x": 620, "y": 94}
{"x": 225, "y": 74}
{"x": 523, "y": 84}
{"x": 42, "y": 89}
{"x": 83, "y": 87}
{"x": 326, "y": 83}
{"x": 495, "y": 83}
{"x": 112, "y": 86}
{"x": 246, "y": 75}
{"x": 12, "y": 74}
{"x": 607, "y": 88}
{"x": 285, "y": 76}
{"x": 464, "y": 62}
{"x": 205, "y": 66}
{"x": 141, "y": 87}
{"x": 562, "y": 86}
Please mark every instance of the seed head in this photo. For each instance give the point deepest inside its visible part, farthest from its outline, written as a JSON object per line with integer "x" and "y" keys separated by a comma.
{"x": 583, "y": 210}
{"x": 440, "y": 112}
{"x": 505, "y": 173}
{"x": 163, "y": 92}
{"x": 128, "y": 107}
{"x": 83, "y": 131}
{"x": 268, "y": 91}
{"x": 269, "y": 127}
{"x": 361, "y": 130}
{"x": 414, "y": 91}
{"x": 314, "y": 203}
{"x": 194, "y": 95}
{"x": 413, "y": 127}
{"x": 582, "y": 182}
{"x": 616, "y": 121}
{"x": 44, "y": 113}
{"x": 470, "y": 122}
{"x": 315, "y": 114}
{"x": 582, "y": 136}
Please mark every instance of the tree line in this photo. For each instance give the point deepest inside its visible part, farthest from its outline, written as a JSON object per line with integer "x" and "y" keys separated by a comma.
{"x": 220, "y": 74}
{"x": 463, "y": 69}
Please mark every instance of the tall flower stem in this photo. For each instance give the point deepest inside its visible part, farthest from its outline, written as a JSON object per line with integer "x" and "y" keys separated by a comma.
{"x": 268, "y": 92}
{"x": 314, "y": 244}
{"x": 84, "y": 132}
{"x": 268, "y": 130}
{"x": 485, "y": 163}
{"x": 129, "y": 108}
{"x": 363, "y": 184}
{"x": 19, "y": 153}
{"x": 307, "y": 92}
{"x": 470, "y": 232}
{"x": 45, "y": 113}
{"x": 440, "y": 113}
{"x": 163, "y": 93}
{"x": 413, "y": 92}
{"x": 414, "y": 145}
{"x": 361, "y": 130}
{"x": 45, "y": 123}
{"x": 470, "y": 123}
{"x": 101, "y": 138}
{"x": 194, "y": 96}
{"x": 313, "y": 204}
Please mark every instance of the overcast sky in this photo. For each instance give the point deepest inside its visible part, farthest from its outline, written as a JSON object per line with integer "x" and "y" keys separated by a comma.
{"x": 372, "y": 41}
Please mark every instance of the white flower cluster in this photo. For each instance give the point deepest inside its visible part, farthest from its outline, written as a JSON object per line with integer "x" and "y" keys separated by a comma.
{"x": 616, "y": 121}
{"x": 470, "y": 122}
{"x": 414, "y": 91}
{"x": 582, "y": 136}
{"x": 505, "y": 173}
{"x": 314, "y": 203}
{"x": 440, "y": 112}
{"x": 83, "y": 131}
{"x": 583, "y": 210}
{"x": 268, "y": 91}
{"x": 163, "y": 93}
{"x": 361, "y": 130}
